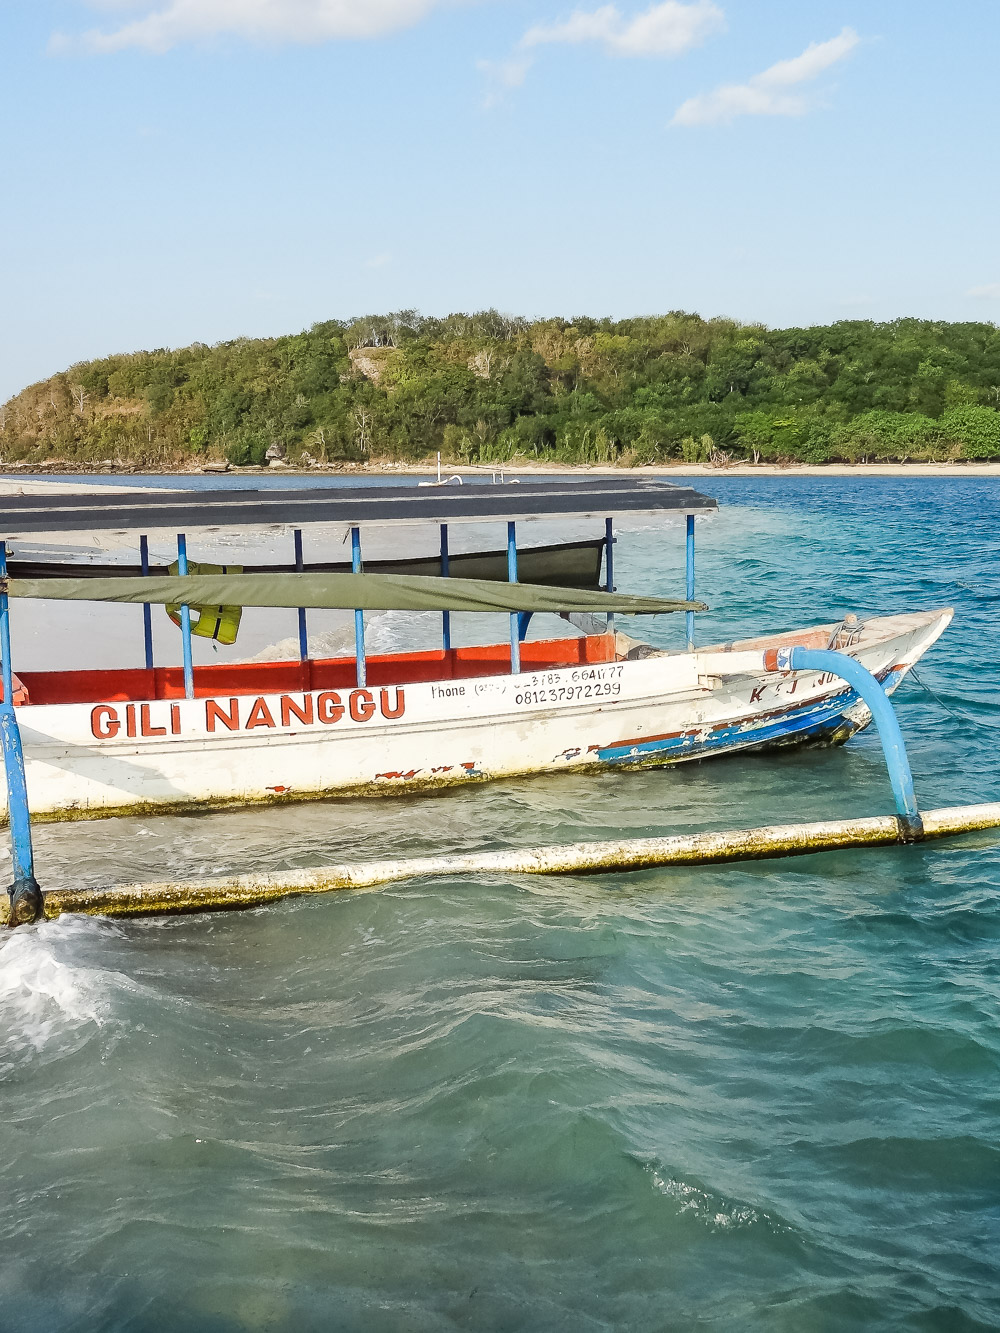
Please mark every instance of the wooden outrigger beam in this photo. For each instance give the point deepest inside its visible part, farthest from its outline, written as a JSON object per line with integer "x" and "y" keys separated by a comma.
{"x": 246, "y": 891}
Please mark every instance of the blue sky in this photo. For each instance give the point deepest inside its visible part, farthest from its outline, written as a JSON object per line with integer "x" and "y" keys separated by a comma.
{"x": 182, "y": 170}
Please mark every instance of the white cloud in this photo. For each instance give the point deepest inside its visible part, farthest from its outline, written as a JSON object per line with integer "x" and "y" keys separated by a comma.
{"x": 768, "y": 94}
{"x": 990, "y": 291}
{"x": 379, "y": 261}
{"x": 501, "y": 76}
{"x": 665, "y": 29}
{"x": 176, "y": 21}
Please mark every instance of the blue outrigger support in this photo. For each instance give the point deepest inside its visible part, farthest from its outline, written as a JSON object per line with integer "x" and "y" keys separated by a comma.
{"x": 26, "y": 903}
{"x": 884, "y": 715}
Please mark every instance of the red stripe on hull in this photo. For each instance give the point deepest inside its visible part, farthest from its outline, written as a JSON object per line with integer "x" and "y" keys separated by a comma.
{"x": 256, "y": 678}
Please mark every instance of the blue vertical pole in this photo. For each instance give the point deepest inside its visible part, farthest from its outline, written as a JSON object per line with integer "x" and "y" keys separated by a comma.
{"x": 25, "y": 897}
{"x": 690, "y": 580}
{"x": 515, "y": 638}
{"x": 182, "y": 568}
{"x": 609, "y": 566}
{"x": 6, "y": 665}
{"x": 147, "y": 610}
{"x": 359, "y": 616}
{"x": 303, "y": 630}
{"x": 445, "y": 570}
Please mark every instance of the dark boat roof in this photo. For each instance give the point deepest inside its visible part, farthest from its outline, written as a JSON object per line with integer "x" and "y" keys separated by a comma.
{"x": 352, "y": 505}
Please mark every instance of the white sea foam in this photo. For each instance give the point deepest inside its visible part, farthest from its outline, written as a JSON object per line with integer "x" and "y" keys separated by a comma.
{"x": 385, "y": 632}
{"x": 410, "y": 631}
{"x": 712, "y": 1210}
{"x": 403, "y": 631}
{"x": 44, "y": 992}
{"x": 333, "y": 643}
{"x": 392, "y": 632}
{"x": 420, "y": 631}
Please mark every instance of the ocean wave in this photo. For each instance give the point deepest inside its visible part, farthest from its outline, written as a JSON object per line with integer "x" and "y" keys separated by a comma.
{"x": 47, "y": 993}
{"x": 713, "y": 1210}
{"x": 410, "y": 631}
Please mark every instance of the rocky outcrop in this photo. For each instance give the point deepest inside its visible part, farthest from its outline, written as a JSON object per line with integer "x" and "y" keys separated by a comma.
{"x": 371, "y": 362}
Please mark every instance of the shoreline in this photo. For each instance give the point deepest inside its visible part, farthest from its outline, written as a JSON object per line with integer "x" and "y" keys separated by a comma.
{"x": 47, "y": 477}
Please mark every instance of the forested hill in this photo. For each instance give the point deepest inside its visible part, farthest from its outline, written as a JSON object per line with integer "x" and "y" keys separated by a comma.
{"x": 492, "y": 388}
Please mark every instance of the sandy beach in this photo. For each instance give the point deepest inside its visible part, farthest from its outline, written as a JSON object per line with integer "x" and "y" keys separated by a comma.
{"x": 12, "y": 483}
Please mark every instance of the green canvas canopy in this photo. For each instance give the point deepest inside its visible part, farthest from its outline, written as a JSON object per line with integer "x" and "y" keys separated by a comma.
{"x": 367, "y": 592}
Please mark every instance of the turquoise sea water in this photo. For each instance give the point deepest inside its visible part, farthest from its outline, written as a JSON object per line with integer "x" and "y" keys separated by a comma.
{"x": 760, "y": 1097}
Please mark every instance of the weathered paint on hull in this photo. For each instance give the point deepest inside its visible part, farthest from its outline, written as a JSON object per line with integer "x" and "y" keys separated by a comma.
{"x": 831, "y": 722}
{"x": 93, "y": 761}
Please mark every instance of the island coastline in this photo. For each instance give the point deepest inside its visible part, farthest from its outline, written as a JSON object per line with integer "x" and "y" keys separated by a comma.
{"x": 69, "y": 477}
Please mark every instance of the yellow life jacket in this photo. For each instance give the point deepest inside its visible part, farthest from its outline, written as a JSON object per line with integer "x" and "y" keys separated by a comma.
{"x": 221, "y": 623}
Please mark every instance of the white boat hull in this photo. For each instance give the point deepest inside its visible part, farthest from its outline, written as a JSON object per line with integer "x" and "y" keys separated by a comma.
{"x": 92, "y": 760}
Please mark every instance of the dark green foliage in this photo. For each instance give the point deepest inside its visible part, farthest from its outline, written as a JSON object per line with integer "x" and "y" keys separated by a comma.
{"x": 977, "y": 429}
{"x": 488, "y": 387}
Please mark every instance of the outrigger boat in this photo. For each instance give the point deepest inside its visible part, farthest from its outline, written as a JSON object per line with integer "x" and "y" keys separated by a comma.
{"x": 162, "y": 738}
{"x": 113, "y": 742}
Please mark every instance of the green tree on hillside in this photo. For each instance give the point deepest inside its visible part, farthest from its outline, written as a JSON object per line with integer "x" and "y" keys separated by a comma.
{"x": 488, "y": 386}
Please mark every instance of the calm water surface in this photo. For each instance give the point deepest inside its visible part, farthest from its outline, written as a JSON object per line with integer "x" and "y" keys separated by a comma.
{"x": 759, "y": 1097}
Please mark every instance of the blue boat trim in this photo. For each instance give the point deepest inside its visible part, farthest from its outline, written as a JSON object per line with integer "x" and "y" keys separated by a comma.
{"x": 824, "y": 719}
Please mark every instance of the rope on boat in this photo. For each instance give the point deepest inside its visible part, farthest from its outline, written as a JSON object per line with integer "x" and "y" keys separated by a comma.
{"x": 246, "y": 891}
